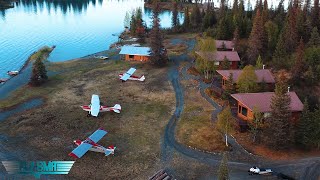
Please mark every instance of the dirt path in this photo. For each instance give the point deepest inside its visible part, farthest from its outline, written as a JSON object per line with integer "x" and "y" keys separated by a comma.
{"x": 239, "y": 159}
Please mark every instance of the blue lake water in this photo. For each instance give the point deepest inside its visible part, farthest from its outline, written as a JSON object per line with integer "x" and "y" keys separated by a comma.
{"x": 77, "y": 28}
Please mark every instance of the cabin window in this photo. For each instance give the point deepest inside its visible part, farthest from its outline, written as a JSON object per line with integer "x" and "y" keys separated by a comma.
{"x": 244, "y": 111}
{"x": 239, "y": 109}
{"x": 223, "y": 82}
{"x": 131, "y": 56}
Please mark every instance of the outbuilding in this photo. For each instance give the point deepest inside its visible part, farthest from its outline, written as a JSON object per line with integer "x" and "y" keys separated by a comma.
{"x": 134, "y": 53}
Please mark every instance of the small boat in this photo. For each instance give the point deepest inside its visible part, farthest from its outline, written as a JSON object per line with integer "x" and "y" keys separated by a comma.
{"x": 102, "y": 57}
{"x": 3, "y": 80}
{"x": 13, "y": 73}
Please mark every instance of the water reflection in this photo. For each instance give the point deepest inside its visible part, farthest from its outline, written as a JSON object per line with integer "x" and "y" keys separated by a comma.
{"x": 78, "y": 6}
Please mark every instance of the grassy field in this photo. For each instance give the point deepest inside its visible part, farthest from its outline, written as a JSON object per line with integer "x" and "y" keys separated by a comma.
{"x": 195, "y": 128}
{"x": 49, "y": 131}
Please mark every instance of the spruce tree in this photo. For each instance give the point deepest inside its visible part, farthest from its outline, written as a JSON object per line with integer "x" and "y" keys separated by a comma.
{"x": 196, "y": 17}
{"x": 316, "y": 14}
{"x": 229, "y": 86}
{"x": 236, "y": 39}
{"x": 280, "y": 53}
{"x": 299, "y": 67}
{"x": 314, "y": 40}
{"x": 257, "y": 38}
{"x": 225, "y": 64}
{"x": 186, "y": 22}
{"x": 291, "y": 31}
{"x": 223, "y": 172}
{"x": 304, "y": 127}
{"x": 278, "y": 131}
{"x": 259, "y": 63}
{"x": 39, "y": 73}
{"x": 175, "y": 19}
{"x": 158, "y": 53}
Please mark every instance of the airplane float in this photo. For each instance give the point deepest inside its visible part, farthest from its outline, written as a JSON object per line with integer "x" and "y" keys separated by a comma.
{"x": 90, "y": 144}
{"x": 94, "y": 108}
{"x": 128, "y": 75}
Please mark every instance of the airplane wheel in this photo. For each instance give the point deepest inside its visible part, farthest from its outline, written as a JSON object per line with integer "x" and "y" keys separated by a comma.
{"x": 88, "y": 115}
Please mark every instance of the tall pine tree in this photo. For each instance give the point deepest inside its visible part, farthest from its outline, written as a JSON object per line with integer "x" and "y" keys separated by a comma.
{"x": 279, "y": 131}
{"x": 257, "y": 38}
{"x": 158, "y": 53}
{"x": 299, "y": 67}
{"x": 39, "y": 73}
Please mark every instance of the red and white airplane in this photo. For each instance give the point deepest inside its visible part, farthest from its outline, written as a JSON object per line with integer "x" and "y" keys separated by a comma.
{"x": 128, "y": 75}
{"x": 94, "y": 108}
{"x": 90, "y": 144}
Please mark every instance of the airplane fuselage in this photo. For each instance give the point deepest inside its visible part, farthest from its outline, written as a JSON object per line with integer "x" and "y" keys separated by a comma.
{"x": 94, "y": 148}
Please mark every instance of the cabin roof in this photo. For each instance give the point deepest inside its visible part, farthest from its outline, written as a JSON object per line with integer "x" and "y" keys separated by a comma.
{"x": 132, "y": 50}
{"x": 262, "y": 75}
{"x": 263, "y": 100}
{"x": 227, "y": 44}
{"x": 219, "y": 55}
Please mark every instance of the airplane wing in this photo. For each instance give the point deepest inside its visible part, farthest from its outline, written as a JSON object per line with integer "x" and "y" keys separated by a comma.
{"x": 97, "y": 135}
{"x": 80, "y": 150}
{"x": 128, "y": 74}
{"x": 95, "y": 105}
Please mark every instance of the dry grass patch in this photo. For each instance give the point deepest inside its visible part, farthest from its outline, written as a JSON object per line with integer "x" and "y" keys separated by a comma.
{"x": 245, "y": 140}
{"x": 195, "y": 128}
{"x": 193, "y": 71}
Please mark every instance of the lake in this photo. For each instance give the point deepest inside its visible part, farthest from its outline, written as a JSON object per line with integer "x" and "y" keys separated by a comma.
{"x": 77, "y": 28}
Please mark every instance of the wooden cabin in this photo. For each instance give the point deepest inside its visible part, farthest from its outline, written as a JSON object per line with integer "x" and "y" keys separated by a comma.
{"x": 223, "y": 45}
{"x": 247, "y": 101}
{"x": 263, "y": 76}
{"x": 133, "y": 53}
{"x": 218, "y": 57}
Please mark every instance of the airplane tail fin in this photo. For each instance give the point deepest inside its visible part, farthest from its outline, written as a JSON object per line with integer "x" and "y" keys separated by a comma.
{"x": 109, "y": 150}
{"x": 142, "y": 78}
{"x": 117, "y": 108}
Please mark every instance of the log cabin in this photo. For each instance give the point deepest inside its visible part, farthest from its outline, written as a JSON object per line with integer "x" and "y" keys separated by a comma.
{"x": 218, "y": 57}
{"x": 247, "y": 101}
{"x": 263, "y": 76}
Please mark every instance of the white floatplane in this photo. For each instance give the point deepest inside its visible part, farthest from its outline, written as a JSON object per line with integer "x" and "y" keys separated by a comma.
{"x": 94, "y": 108}
{"x": 90, "y": 144}
{"x": 102, "y": 57}
{"x": 128, "y": 75}
{"x": 3, "y": 80}
{"x": 13, "y": 73}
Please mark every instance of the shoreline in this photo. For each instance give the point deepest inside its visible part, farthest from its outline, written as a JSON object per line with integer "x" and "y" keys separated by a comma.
{"x": 26, "y": 63}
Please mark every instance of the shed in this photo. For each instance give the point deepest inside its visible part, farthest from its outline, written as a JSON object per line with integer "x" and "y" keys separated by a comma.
{"x": 135, "y": 53}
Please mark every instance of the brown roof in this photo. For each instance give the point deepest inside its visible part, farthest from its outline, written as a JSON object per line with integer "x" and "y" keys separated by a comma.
{"x": 227, "y": 44}
{"x": 219, "y": 55}
{"x": 263, "y": 100}
{"x": 262, "y": 75}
